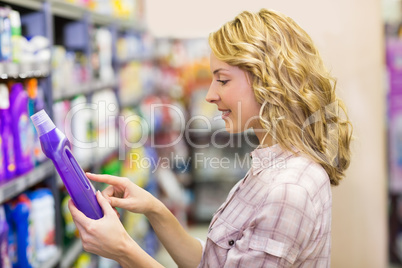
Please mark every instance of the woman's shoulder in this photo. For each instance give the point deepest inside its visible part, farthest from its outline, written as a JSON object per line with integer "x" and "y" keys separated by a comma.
{"x": 298, "y": 170}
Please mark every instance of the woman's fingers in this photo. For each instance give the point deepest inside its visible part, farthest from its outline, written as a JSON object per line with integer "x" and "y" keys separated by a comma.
{"x": 108, "y": 179}
{"x": 108, "y": 192}
{"x": 105, "y": 204}
{"x": 78, "y": 216}
{"x": 118, "y": 202}
{"x": 80, "y": 220}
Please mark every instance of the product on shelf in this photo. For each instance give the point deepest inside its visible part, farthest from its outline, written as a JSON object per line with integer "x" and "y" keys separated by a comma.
{"x": 35, "y": 103}
{"x": 22, "y": 129}
{"x": 5, "y": 34}
{"x": 104, "y": 120}
{"x": 42, "y": 216}
{"x": 79, "y": 118}
{"x": 102, "y": 55}
{"x": 152, "y": 110}
{"x": 107, "y": 263}
{"x": 56, "y": 146}
{"x": 21, "y": 235}
{"x": 131, "y": 89}
{"x": 2, "y": 160}
{"x": 60, "y": 111}
{"x": 83, "y": 261}
{"x": 112, "y": 167}
{"x": 15, "y": 23}
{"x": 4, "y": 231}
{"x": 69, "y": 70}
{"x": 22, "y": 51}
{"x": 136, "y": 166}
{"x": 6, "y": 134}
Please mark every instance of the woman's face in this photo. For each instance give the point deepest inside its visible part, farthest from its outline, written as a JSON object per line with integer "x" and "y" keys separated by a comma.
{"x": 232, "y": 92}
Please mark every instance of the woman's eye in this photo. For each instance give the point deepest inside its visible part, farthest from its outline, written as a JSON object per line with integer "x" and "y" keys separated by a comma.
{"x": 223, "y": 82}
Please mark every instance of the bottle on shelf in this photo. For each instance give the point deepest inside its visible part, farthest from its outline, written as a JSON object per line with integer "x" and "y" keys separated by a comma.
{"x": 6, "y": 134}
{"x": 16, "y": 37}
{"x": 5, "y": 35}
{"x": 42, "y": 216}
{"x": 4, "y": 230}
{"x": 22, "y": 129}
{"x": 35, "y": 104}
{"x": 21, "y": 232}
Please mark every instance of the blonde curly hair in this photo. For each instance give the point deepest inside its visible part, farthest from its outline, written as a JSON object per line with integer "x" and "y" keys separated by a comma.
{"x": 299, "y": 107}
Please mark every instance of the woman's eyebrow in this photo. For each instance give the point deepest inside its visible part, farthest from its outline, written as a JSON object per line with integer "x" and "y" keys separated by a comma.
{"x": 218, "y": 70}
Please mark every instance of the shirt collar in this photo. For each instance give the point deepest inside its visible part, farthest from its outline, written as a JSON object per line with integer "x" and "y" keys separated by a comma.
{"x": 268, "y": 157}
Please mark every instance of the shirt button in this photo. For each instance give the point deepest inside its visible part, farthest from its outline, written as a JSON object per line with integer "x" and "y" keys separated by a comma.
{"x": 231, "y": 243}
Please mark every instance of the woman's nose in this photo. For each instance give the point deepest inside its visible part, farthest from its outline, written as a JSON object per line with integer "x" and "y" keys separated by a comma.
{"x": 212, "y": 95}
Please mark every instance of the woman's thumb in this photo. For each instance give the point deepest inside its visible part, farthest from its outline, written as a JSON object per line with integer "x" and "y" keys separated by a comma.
{"x": 116, "y": 202}
{"x": 104, "y": 203}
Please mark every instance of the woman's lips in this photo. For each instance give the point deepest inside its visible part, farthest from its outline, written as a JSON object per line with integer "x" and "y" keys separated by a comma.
{"x": 226, "y": 113}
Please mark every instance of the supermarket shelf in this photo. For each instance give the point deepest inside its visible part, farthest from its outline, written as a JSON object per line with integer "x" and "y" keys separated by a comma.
{"x": 32, "y": 4}
{"x": 68, "y": 10}
{"x": 86, "y": 88}
{"x": 71, "y": 254}
{"x": 53, "y": 261}
{"x": 22, "y": 183}
{"x": 10, "y": 70}
{"x": 72, "y": 11}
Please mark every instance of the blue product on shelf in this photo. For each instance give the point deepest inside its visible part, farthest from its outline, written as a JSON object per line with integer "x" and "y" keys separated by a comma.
{"x": 19, "y": 212}
{"x": 12, "y": 237}
{"x": 56, "y": 146}
{"x": 6, "y": 134}
{"x": 4, "y": 231}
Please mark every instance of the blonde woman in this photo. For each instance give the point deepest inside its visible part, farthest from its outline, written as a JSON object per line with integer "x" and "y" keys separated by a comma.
{"x": 269, "y": 76}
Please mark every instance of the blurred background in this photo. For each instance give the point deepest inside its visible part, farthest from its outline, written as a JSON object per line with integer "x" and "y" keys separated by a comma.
{"x": 138, "y": 69}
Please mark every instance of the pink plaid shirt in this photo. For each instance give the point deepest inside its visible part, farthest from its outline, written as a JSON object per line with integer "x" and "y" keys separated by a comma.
{"x": 279, "y": 215}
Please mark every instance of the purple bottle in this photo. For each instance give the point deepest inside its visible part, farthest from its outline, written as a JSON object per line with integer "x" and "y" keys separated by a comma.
{"x": 2, "y": 159}
{"x": 6, "y": 134}
{"x": 22, "y": 129}
{"x": 56, "y": 146}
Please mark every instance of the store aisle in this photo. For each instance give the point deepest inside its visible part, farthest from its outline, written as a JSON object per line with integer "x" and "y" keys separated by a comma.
{"x": 199, "y": 231}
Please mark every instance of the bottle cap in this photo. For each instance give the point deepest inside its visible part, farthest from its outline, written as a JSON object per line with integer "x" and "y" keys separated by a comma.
{"x": 42, "y": 122}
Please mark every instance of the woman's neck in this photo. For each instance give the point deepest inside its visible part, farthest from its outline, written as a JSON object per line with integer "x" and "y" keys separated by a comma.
{"x": 264, "y": 138}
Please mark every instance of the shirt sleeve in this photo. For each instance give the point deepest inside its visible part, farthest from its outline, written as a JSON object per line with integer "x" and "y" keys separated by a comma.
{"x": 283, "y": 227}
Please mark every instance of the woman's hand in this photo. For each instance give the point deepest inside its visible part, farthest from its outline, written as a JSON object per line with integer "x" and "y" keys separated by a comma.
{"x": 106, "y": 236}
{"x": 124, "y": 194}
